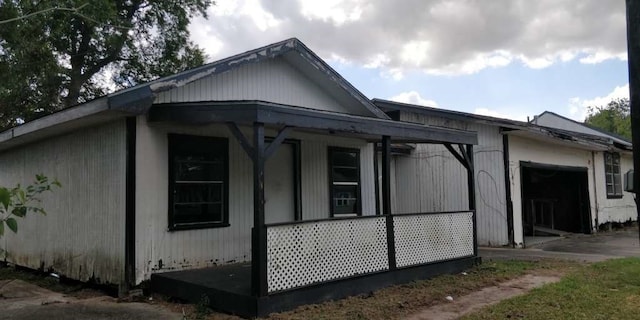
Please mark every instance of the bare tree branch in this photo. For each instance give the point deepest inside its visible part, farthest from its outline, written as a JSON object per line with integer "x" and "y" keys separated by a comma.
{"x": 74, "y": 10}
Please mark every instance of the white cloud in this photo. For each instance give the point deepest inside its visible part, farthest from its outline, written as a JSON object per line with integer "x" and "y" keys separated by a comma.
{"x": 600, "y": 56}
{"x": 413, "y": 97}
{"x": 579, "y": 107}
{"x": 438, "y": 36}
{"x": 500, "y": 114}
{"x": 336, "y": 11}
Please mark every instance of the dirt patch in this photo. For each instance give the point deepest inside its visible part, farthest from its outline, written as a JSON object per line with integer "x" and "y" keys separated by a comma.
{"x": 487, "y": 296}
{"x": 23, "y": 300}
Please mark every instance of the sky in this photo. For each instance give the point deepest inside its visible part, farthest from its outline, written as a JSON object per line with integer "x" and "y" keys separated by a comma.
{"x": 505, "y": 58}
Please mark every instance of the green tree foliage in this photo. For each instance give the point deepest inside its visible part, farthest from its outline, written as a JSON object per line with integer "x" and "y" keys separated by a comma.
{"x": 615, "y": 117}
{"x": 52, "y": 59}
{"x": 17, "y": 202}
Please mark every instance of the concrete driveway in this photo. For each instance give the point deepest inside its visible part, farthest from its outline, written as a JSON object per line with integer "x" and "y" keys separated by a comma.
{"x": 588, "y": 248}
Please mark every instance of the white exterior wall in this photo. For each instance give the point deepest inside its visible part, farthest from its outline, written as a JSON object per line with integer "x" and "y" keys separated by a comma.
{"x": 82, "y": 235}
{"x": 613, "y": 210}
{"x": 431, "y": 179}
{"x": 273, "y": 80}
{"x": 215, "y": 246}
{"x": 523, "y": 149}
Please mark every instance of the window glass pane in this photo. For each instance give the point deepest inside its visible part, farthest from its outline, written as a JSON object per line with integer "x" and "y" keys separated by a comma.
{"x": 608, "y": 178}
{"x": 344, "y": 159}
{"x": 345, "y": 174}
{"x": 198, "y": 179}
{"x": 345, "y": 199}
{"x": 198, "y": 193}
{"x": 194, "y": 213}
{"x": 617, "y": 184}
{"x": 616, "y": 169}
{"x": 607, "y": 159}
{"x": 610, "y": 190}
{"x": 198, "y": 168}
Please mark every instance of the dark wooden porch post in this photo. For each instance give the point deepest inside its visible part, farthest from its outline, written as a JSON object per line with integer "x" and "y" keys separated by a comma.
{"x": 386, "y": 199}
{"x": 633, "y": 54}
{"x": 471, "y": 185}
{"x": 259, "y": 231}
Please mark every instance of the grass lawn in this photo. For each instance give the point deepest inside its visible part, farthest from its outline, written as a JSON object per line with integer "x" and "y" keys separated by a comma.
{"x": 605, "y": 290}
{"x": 398, "y": 301}
{"x": 388, "y": 303}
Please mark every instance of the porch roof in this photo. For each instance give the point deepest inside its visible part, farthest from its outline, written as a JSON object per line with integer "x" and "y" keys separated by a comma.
{"x": 249, "y": 112}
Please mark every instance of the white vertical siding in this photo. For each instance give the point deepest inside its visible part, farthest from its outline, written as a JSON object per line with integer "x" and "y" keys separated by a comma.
{"x": 82, "y": 236}
{"x": 613, "y": 210}
{"x": 214, "y": 246}
{"x": 315, "y": 175}
{"x": 272, "y": 80}
{"x": 523, "y": 149}
{"x": 431, "y": 179}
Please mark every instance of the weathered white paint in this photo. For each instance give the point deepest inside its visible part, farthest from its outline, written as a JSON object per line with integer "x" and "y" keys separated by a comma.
{"x": 274, "y": 80}
{"x": 279, "y": 187}
{"x": 545, "y": 152}
{"x": 214, "y": 246}
{"x": 431, "y": 179}
{"x": 82, "y": 236}
{"x": 613, "y": 210}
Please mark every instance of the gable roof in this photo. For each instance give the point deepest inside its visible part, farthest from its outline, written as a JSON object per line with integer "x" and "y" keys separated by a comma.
{"x": 544, "y": 119}
{"x": 138, "y": 99}
{"x": 141, "y": 96}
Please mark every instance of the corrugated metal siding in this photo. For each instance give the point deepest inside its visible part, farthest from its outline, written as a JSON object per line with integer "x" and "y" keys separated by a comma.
{"x": 613, "y": 210}
{"x": 523, "y": 149}
{"x": 272, "y": 80}
{"x": 431, "y": 179}
{"x": 82, "y": 236}
{"x": 205, "y": 247}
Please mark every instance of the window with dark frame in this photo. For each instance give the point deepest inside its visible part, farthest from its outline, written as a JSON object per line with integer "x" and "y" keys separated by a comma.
{"x": 198, "y": 182}
{"x": 612, "y": 174}
{"x": 344, "y": 184}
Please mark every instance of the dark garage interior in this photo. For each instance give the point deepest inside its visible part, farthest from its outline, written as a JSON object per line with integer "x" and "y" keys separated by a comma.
{"x": 555, "y": 199}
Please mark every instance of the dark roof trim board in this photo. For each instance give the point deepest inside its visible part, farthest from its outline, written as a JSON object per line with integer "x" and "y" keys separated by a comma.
{"x": 388, "y": 106}
{"x": 90, "y": 108}
{"x": 508, "y": 126}
{"x": 247, "y": 112}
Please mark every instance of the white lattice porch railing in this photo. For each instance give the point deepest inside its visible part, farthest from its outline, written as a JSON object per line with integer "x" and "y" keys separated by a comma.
{"x": 305, "y": 253}
{"x": 427, "y": 238}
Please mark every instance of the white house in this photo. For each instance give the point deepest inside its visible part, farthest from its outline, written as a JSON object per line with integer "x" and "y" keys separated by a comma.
{"x": 250, "y": 180}
{"x": 530, "y": 179}
{"x": 612, "y": 203}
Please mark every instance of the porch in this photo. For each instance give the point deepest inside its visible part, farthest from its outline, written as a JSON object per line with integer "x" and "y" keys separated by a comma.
{"x": 309, "y": 261}
{"x": 314, "y": 261}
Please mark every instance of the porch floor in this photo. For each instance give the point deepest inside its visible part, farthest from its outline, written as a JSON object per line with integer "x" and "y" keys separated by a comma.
{"x": 226, "y": 288}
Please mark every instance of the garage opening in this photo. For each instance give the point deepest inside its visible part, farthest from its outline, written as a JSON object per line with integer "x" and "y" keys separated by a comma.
{"x": 555, "y": 199}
